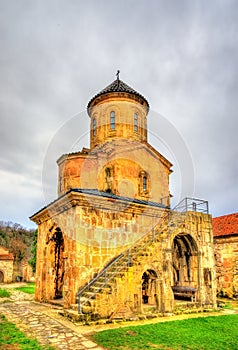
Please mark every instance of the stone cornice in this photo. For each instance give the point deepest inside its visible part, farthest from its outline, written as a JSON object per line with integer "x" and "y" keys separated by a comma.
{"x": 77, "y": 197}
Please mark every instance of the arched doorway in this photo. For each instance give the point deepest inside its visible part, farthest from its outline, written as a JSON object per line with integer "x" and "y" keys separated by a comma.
{"x": 185, "y": 266}
{"x": 57, "y": 248}
{"x": 149, "y": 287}
{"x": 1, "y": 277}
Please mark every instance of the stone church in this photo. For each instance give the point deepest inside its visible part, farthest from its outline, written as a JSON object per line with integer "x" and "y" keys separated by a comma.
{"x": 111, "y": 241}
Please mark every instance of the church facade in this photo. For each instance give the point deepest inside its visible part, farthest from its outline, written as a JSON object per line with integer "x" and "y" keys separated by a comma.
{"x": 110, "y": 240}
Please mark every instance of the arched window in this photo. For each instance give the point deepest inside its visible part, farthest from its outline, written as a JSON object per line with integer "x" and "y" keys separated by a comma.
{"x": 144, "y": 183}
{"x": 136, "y": 122}
{"x": 112, "y": 120}
{"x": 108, "y": 178}
{"x": 94, "y": 126}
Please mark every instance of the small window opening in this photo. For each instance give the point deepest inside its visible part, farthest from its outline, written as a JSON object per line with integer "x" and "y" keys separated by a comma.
{"x": 61, "y": 184}
{"x": 144, "y": 183}
{"x": 136, "y": 122}
{"x": 112, "y": 120}
{"x": 94, "y": 126}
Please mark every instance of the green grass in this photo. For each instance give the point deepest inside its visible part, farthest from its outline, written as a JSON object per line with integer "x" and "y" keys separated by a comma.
{"x": 12, "y": 338}
{"x": 30, "y": 288}
{"x": 204, "y": 333}
{"x": 4, "y": 293}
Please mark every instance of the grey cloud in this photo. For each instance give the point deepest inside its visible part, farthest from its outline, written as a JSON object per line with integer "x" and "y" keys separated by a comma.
{"x": 56, "y": 55}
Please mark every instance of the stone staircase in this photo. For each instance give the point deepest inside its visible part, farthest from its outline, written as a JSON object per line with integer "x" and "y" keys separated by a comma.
{"x": 102, "y": 283}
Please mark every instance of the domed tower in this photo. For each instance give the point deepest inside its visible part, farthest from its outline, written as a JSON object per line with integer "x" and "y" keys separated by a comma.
{"x": 120, "y": 161}
{"x": 117, "y": 112}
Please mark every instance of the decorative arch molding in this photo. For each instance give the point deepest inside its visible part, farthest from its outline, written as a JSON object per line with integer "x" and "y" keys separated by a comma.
{"x": 185, "y": 261}
{"x": 55, "y": 247}
{"x": 149, "y": 286}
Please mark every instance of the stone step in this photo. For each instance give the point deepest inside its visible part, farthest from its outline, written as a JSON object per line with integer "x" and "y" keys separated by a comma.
{"x": 88, "y": 295}
{"x": 56, "y": 302}
{"x": 74, "y": 307}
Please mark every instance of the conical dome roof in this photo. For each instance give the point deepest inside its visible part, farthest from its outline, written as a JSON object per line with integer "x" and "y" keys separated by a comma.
{"x": 118, "y": 86}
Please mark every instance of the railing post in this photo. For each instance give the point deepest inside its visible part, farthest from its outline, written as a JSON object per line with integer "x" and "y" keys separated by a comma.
{"x": 194, "y": 206}
{"x": 207, "y": 205}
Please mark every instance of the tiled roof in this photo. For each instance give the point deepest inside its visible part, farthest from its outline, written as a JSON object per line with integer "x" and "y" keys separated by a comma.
{"x": 98, "y": 193}
{"x": 118, "y": 86}
{"x": 6, "y": 257}
{"x": 225, "y": 225}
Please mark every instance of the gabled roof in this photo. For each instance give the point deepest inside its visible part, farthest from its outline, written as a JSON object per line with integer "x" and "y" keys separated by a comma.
{"x": 225, "y": 225}
{"x": 118, "y": 86}
{"x": 5, "y": 255}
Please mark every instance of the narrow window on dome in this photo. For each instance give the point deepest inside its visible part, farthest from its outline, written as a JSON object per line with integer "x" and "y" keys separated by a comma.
{"x": 94, "y": 126}
{"x": 61, "y": 184}
{"x": 144, "y": 183}
{"x": 112, "y": 120}
{"x": 136, "y": 122}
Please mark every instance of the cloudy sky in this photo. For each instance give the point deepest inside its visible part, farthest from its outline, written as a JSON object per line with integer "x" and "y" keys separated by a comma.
{"x": 55, "y": 55}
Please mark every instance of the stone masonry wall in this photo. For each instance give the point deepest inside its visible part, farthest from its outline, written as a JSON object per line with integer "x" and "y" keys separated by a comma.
{"x": 127, "y": 289}
{"x": 6, "y": 266}
{"x": 92, "y": 236}
{"x": 226, "y": 257}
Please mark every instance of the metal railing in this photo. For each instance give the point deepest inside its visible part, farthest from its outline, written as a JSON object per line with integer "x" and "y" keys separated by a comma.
{"x": 193, "y": 204}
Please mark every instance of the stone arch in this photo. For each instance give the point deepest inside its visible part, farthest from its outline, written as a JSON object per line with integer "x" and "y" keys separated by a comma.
{"x": 56, "y": 250}
{"x": 185, "y": 261}
{"x": 1, "y": 276}
{"x": 149, "y": 287}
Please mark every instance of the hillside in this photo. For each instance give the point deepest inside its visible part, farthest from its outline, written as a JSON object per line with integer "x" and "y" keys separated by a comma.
{"x": 19, "y": 241}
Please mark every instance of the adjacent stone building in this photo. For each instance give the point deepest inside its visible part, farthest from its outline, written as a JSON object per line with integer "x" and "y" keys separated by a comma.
{"x": 6, "y": 265}
{"x": 225, "y": 230}
{"x": 110, "y": 241}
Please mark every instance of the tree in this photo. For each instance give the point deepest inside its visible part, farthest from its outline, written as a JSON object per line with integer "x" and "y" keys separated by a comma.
{"x": 32, "y": 261}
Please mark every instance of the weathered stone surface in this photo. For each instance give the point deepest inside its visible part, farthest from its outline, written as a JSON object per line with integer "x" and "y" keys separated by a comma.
{"x": 226, "y": 257}
{"x": 225, "y": 229}
{"x": 6, "y": 265}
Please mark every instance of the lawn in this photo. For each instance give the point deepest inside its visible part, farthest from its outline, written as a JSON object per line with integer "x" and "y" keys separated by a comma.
{"x": 30, "y": 288}
{"x": 12, "y": 338}
{"x": 4, "y": 293}
{"x": 203, "y": 333}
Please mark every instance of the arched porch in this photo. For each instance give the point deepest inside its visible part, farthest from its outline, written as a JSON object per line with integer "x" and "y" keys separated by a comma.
{"x": 185, "y": 266}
